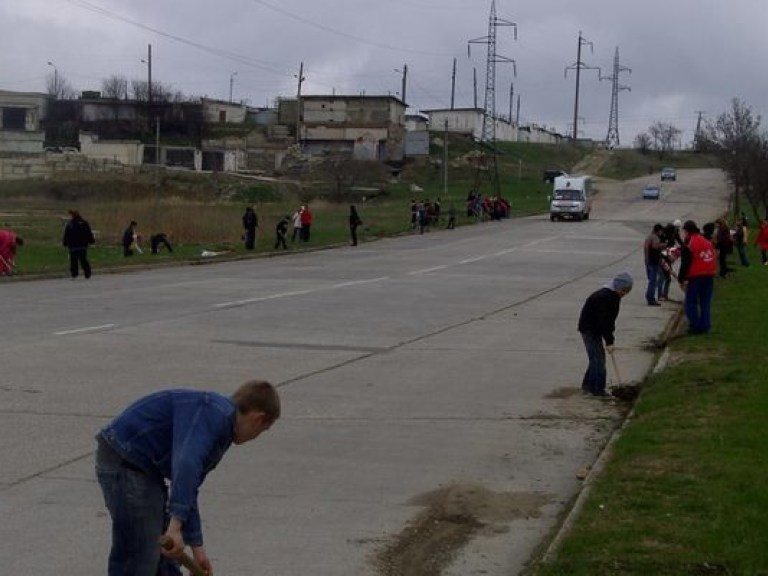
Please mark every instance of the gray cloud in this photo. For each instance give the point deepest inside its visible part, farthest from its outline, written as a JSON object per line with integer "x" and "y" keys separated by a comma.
{"x": 685, "y": 55}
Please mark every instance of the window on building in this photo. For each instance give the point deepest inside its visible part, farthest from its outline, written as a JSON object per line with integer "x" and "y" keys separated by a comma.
{"x": 14, "y": 119}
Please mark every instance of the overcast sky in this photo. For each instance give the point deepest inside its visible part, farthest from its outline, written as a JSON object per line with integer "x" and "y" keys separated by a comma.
{"x": 686, "y": 56}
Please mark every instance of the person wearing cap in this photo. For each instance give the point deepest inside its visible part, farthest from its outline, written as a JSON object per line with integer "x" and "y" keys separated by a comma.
{"x": 698, "y": 265}
{"x": 597, "y": 323}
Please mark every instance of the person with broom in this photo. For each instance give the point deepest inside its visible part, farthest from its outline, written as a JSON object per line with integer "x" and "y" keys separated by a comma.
{"x": 597, "y": 323}
{"x": 177, "y": 436}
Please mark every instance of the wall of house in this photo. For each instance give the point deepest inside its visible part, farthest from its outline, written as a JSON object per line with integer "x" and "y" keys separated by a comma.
{"x": 20, "y": 114}
{"x": 25, "y": 166}
{"x": 215, "y": 110}
{"x": 129, "y": 152}
{"x": 470, "y": 121}
{"x": 108, "y": 110}
{"x": 12, "y": 141}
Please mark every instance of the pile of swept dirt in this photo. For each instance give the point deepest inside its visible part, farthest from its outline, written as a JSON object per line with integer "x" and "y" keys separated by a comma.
{"x": 452, "y": 516}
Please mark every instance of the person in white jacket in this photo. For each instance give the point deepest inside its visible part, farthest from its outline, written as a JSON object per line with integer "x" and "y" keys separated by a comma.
{"x": 296, "y": 222}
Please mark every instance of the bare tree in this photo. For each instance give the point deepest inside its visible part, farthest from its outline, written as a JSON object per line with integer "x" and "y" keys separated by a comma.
{"x": 59, "y": 88}
{"x": 345, "y": 172}
{"x": 160, "y": 91}
{"x": 742, "y": 150}
{"x": 643, "y": 142}
{"x": 115, "y": 87}
{"x": 664, "y": 136}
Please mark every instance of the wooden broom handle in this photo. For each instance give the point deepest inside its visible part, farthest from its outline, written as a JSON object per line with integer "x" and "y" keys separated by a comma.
{"x": 186, "y": 560}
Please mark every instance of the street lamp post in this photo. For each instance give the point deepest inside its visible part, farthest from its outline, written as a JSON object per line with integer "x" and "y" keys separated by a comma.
{"x": 55, "y": 79}
{"x": 231, "y": 83}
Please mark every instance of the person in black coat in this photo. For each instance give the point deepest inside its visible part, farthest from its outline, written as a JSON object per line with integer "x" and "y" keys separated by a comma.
{"x": 129, "y": 236}
{"x": 250, "y": 223}
{"x": 77, "y": 237}
{"x": 281, "y": 231}
{"x": 354, "y": 222}
{"x": 597, "y": 323}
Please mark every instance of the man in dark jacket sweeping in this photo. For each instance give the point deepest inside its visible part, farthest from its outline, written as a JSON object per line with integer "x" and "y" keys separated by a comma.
{"x": 597, "y": 323}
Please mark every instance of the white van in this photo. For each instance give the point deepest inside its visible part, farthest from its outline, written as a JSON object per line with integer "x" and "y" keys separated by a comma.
{"x": 571, "y": 198}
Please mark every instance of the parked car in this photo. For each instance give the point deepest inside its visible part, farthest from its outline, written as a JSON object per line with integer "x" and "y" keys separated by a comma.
{"x": 651, "y": 192}
{"x": 668, "y": 174}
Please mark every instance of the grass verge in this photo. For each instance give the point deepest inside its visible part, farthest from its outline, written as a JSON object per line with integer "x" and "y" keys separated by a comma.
{"x": 683, "y": 491}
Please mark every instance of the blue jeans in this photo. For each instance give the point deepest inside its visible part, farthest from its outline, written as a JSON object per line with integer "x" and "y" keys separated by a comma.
{"x": 595, "y": 376}
{"x": 742, "y": 250}
{"x": 652, "y": 271}
{"x": 698, "y": 296}
{"x": 136, "y": 503}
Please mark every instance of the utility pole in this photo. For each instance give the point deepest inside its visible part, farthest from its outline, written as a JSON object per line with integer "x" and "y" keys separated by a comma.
{"x": 149, "y": 73}
{"x": 55, "y": 80}
{"x": 697, "y": 134}
{"x": 453, "y": 84}
{"x": 231, "y": 84}
{"x": 489, "y": 113}
{"x": 298, "y": 103}
{"x": 511, "y": 99}
{"x": 517, "y": 118}
{"x": 475, "y": 81}
{"x": 157, "y": 141}
{"x": 612, "y": 138}
{"x": 579, "y": 66}
{"x": 405, "y": 82}
{"x": 445, "y": 158}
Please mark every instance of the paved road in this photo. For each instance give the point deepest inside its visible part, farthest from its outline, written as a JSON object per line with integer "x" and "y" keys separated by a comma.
{"x": 427, "y": 381}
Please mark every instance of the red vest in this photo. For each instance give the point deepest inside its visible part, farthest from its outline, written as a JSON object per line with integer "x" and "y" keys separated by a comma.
{"x": 703, "y": 261}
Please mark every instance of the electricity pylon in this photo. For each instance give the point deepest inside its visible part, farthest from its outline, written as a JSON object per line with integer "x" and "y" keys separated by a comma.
{"x": 488, "y": 134}
{"x": 612, "y": 139}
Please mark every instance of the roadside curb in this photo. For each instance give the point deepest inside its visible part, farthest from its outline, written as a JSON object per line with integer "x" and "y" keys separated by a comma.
{"x": 565, "y": 527}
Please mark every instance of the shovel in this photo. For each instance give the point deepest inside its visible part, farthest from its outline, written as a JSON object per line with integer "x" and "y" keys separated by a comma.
{"x": 187, "y": 561}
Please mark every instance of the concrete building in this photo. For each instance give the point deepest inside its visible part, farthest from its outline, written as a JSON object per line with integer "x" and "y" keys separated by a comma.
{"x": 128, "y": 152}
{"x": 223, "y": 112}
{"x": 470, "y": 121}
{"x": 367, "y": 127}
{"x": 20, "y": 115}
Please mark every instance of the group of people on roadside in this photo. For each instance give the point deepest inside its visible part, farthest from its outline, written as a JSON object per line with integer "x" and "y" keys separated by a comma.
{"x": 702, "y": 255}
{"x": 487, "y": 207}
{"x": 131, "y": 241}
{"x": 300, "y": 221}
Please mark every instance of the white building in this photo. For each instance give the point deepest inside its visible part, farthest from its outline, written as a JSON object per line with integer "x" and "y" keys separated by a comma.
{"x": 20, "y": 116}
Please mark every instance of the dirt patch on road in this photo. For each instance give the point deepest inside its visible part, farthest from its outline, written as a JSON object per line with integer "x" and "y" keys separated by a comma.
{"x": 453, "y": 515}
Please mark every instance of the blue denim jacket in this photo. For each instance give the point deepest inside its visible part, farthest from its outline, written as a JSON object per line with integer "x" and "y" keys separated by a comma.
{"x": 180, "y": 435}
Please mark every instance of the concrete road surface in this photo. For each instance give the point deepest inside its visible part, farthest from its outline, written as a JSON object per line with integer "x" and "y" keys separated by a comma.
{"x": 432, "y": 424}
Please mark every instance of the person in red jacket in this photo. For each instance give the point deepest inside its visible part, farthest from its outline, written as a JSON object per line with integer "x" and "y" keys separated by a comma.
{"x": 306, "y": 223}
{"x": 698, "y": 265}
{"x": 761, "y": 241}
{"x": 8, "y": 243}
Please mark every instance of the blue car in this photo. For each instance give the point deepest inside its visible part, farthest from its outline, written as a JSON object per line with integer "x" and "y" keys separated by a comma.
{"x": 651, "y": 192}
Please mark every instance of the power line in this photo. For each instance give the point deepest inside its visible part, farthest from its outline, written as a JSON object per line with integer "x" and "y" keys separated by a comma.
{"x": 261, "y": 64}
{"x": 342, "y": 34}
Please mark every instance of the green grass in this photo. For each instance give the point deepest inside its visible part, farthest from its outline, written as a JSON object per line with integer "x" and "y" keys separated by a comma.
{"x": 625, "y": 164}
{"x": 684, "y": 489}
